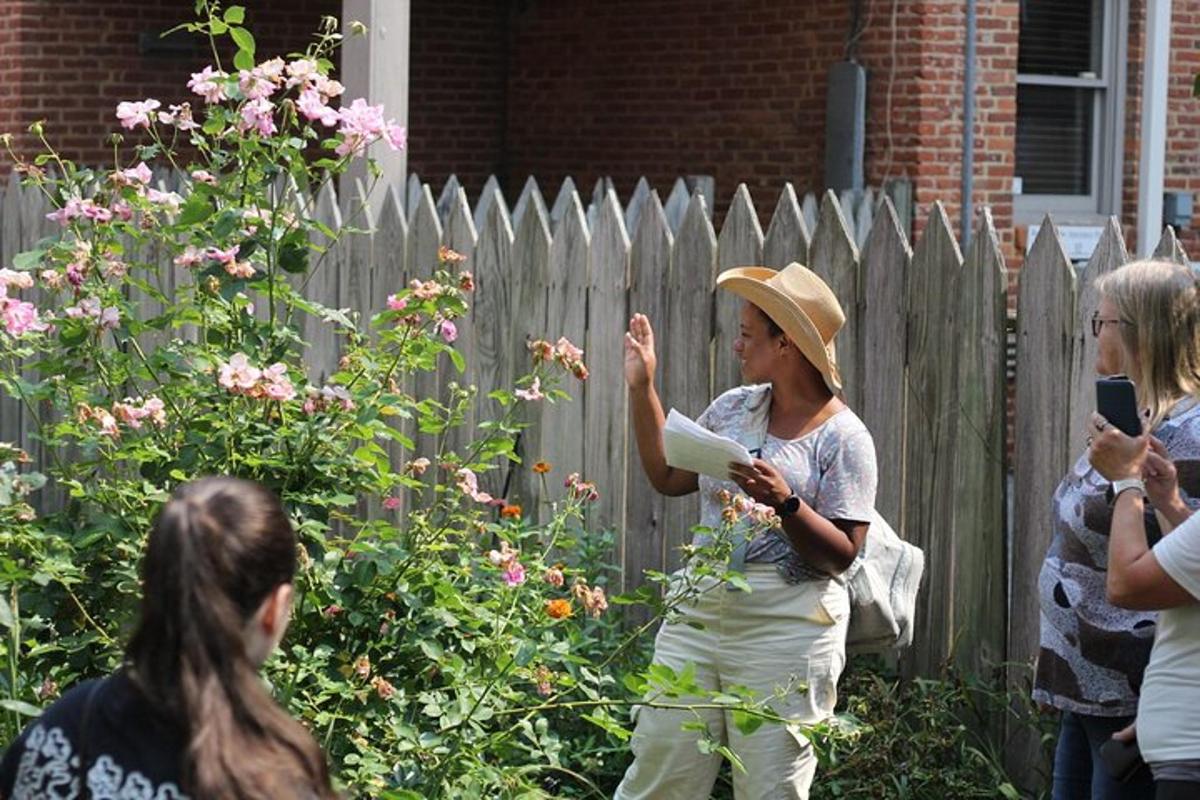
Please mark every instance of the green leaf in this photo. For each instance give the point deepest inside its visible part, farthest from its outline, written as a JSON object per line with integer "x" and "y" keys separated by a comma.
{"x": 218, "y": 28}
{"x": 21, "y": 707}
{"x": 746, "y": 723}
{"x": 245, "y": 42}
{"x": 293, "y": 257}
{"x": 460, "y": 363}
{"x": 243, "y": 59}
{"x": 196, "y": 209}
{"x": 28, "y": 260}
{"x": 608, "y": 725}
{"x": 235, "y": 15}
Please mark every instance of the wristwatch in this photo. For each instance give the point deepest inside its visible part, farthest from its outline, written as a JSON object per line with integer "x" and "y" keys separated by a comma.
{"x": 788, "y": 507}
{"x": 1128, "y": 483}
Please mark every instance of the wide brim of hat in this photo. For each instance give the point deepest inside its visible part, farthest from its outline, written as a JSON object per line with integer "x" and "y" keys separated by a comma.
{"x": 750, "y": 283}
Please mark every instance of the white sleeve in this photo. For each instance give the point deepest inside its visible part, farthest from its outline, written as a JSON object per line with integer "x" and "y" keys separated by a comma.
{"x": 1179, "y": 554}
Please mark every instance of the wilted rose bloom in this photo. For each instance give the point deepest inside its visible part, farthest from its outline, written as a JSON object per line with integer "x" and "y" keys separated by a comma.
{"x": 558, "y": 608}
{"x": 579, "y": 370}
{"x": 240, "y": 269}
{"x": 554, "y": 576}
{"x": 541, "y": 349}
{"x": 425, "y": 290}
{"x": 114, "y": 270}
{"x": 595, "y": 602}
{"x": 204, "y": 176}
{"x": 448, "y": 331}
{"x": 566, "y": 353}
{"x": 448, "y": 256}
{"x": 47, "y": 690}
{"x": 331, "y": 611}
{"x": 510, "y": 512}
{"x": 396, "y": 303}
{"x": 362, "y": 667}
{"x": 543, "y": 675}
{"x": 466, "y": 282}
{"x": 11, "y": 279}
{"x": 382, "y": 688}
{"x": 190, "y": 257}
{"x": 533, "y": 393}
{"x": 417, "y": 466}
{"x": 52, "y": 278}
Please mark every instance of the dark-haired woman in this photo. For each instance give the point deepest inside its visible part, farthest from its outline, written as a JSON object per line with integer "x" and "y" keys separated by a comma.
{"x": 187, "y": 715}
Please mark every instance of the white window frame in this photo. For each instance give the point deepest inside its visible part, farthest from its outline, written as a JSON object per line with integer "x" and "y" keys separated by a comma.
{"x": 1108, "y": 130}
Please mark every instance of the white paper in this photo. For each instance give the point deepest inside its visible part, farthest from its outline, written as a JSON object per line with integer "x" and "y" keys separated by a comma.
{"x": 696, "y": 449}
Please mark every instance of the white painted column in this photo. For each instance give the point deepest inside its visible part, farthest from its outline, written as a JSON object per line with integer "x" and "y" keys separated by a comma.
{"x": 375, "y": 66}
{"x": 1152, "y": 162}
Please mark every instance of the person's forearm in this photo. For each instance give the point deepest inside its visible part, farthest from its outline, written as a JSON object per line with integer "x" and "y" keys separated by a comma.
{"x": 648, "y": 423}
{"x": 1126, "y": 542}
{"x": 818, "y": 541}
{"x": 1173, "y": 514}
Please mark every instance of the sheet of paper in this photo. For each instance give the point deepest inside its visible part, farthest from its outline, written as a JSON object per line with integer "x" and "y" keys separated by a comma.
{"x": 696, "y": 449}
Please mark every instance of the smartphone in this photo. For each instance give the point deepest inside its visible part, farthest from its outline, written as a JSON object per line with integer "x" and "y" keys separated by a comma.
{"x": 1116, "y": 401}
{"x": 1122, "y": 759}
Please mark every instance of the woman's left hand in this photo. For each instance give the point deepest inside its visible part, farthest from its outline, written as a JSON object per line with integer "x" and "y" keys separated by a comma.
{"x": 1115, "y": 455}
{"x": 762, "y": 482}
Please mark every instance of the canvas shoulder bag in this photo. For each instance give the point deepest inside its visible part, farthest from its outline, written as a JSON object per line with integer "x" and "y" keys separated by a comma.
{"x": 884, "y": 579}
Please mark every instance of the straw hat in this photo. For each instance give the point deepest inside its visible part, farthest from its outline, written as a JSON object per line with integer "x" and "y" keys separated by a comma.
{"x": 798, "y": 302}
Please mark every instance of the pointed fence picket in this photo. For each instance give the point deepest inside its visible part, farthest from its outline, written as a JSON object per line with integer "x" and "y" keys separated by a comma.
{"x": 921, "y": 356}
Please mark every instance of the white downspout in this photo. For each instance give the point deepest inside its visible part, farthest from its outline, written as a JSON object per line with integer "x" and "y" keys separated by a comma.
{"x": 1152, "y": 162}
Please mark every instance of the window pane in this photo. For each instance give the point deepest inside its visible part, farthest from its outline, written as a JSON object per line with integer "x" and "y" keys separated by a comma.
{"x": 1060, "y": 37}
{"x": 1054, "y": 139}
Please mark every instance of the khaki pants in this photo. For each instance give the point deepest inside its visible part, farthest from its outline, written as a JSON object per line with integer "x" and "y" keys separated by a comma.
{"x": 768, "y": 639}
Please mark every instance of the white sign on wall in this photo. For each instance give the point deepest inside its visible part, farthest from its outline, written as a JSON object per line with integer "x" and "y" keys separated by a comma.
{"x": 1078, "y": 240}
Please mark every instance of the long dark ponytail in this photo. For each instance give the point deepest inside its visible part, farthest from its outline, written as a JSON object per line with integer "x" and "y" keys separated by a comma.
{"x": 220, "y": 546}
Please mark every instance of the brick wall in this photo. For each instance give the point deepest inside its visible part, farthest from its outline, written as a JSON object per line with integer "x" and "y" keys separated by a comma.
{"x": 70, "y": 62}
{"x": 458, "y": 55}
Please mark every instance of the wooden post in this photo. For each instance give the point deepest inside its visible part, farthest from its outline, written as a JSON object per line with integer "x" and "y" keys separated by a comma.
{"x": 375, "y": 66}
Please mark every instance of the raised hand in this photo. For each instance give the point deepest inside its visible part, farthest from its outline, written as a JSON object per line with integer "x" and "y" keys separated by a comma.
{"x": 1160, "y": 477}
{"x": 640, "y": 360}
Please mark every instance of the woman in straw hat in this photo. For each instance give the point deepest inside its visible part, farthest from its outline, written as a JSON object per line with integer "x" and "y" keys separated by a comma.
{"x": 816, "y": 467}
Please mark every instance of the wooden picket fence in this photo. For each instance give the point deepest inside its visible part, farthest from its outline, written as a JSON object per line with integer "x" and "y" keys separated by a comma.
{"x": 923, "y": 355}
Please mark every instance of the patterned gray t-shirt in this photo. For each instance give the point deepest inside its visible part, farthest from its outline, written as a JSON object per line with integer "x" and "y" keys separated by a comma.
{"x": 1093, "y": 655}
{"x": 831, "y": 468}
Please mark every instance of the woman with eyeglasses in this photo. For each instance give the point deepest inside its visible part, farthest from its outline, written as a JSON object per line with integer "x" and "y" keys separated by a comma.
{"x": 1093, "y": 654}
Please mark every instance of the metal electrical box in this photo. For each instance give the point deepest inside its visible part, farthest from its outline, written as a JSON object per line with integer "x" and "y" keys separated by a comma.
{"x": 845, "y": 126}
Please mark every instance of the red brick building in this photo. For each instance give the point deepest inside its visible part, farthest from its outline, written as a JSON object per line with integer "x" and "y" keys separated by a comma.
{"x": 668, "y": 87}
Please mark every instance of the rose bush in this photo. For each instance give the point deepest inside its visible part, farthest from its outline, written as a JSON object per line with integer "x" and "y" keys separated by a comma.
{"x": 445, "y": 642}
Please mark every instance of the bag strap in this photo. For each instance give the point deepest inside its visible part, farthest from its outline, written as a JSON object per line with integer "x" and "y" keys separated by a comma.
{"x": 85, "y": 741}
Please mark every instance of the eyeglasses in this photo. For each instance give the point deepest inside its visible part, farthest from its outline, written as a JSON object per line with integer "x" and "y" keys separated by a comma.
{"x": 1098, "y": 324}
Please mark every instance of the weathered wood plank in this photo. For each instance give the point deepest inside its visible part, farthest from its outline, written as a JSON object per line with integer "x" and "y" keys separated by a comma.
{"x": 1109, "y": 254}
{"x": 677, "y": 204}
{"x": 978, "y": 614}
{"x": 649, "y": 274}
{"x": 606, "y": 401}
{"x": 685, "y": 354}
{"x": 885, "y": 265}
{"x": 448, "y": 197}
{"x": 567, "y": 316}
{"x": 530, "y": 293}
{"x": 562, "y": 203}
{"x": 787, "y": 237}
{"x": 483, "y": 207}
{"x": 461, "y": 237}
{"x": 527, "y": 194}
{"x": 1169, "y": 248}
{"x": 1045, "y": 353}
{"x": 491, "y": 320}
{"x": 834, "y": 257}
{"x": 740, "y": 244}
{"x": 931, "y": 298}
{"x": 424, "y": 240}
{"x": 637, "y": 201}
{"x": 321, "y": 285}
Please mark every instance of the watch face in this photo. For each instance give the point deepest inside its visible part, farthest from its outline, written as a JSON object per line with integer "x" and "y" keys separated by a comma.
{"x": 791, "y": 505}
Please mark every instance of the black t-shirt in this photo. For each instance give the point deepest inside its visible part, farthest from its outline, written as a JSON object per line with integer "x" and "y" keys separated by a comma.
{"x": 130, "y": 750}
